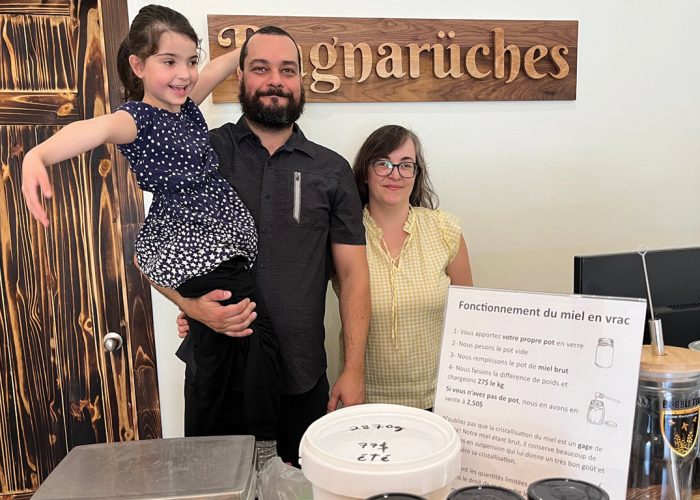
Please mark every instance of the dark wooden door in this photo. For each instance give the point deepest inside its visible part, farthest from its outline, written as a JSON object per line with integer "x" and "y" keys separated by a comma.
{"x": 63, "y": 288}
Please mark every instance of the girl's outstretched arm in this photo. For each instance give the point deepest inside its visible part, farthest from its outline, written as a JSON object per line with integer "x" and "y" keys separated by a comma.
{"x": 72, "y": 140}
{"x": 215, "y": 72}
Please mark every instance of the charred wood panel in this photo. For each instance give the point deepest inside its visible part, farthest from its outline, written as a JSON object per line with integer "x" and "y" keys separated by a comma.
{"x": 31, "y": 323}
{"x": 38, "y": 53}
{"x": 25, "y": 495}
{"x": 36, "y": 7}
{"x": 18, "y": 108}
{"x": 139, "y": 325}
{"x": 63, "y": 288}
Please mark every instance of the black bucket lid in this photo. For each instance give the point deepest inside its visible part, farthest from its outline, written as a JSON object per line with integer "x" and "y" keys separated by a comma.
{"x": 484, "y": 493}
{"x": 396, "y": 496}
{"x": 565, "y": 489}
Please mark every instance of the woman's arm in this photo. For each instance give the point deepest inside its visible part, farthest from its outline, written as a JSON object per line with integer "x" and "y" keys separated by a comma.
{"x": 459, "y": 270}
{"x": 215, "y": 72}
{"x": 72, "y": 140}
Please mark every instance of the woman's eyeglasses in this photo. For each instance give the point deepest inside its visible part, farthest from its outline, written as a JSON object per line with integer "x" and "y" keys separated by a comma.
{"x": 383, "y": 168}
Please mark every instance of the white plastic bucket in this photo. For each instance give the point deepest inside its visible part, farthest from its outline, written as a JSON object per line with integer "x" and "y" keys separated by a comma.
{"x": 364, "y": 450}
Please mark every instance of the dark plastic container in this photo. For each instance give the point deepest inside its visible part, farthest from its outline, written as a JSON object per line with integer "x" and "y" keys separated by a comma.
{"x": 396, "y": 496}
{"x": 483, "y": 493}
{"x": 565, "y": 489}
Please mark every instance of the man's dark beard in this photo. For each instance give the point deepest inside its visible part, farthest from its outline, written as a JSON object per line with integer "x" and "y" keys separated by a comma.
{"x": 274, "y": 117}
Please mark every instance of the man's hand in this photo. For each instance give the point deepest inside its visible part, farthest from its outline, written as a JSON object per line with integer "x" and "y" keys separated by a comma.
{"x": 348, "y": 389}
{"x": 232, "y": 320}
{"x": 183, "y": 326}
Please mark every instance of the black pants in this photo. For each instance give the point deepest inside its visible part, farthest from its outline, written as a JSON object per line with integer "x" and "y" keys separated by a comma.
{"x": 231, "y": 384}
{"x": 297, "y": 413}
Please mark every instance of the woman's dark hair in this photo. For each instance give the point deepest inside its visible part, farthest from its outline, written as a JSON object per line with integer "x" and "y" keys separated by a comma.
{"x": 142, "y": 41}
{"x": 380, "y": 144}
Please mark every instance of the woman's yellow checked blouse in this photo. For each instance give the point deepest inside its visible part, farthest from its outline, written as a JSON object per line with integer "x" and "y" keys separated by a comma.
{"x": 408, "y": 304}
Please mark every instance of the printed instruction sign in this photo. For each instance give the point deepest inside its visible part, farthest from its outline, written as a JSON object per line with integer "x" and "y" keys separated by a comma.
{"x": 540, "y": 386}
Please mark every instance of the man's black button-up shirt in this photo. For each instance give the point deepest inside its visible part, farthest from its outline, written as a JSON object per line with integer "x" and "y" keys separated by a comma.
{"x": 303, "y": 198}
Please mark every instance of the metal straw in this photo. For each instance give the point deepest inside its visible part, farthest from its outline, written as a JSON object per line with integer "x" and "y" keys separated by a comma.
{"x": 655, "y": 328}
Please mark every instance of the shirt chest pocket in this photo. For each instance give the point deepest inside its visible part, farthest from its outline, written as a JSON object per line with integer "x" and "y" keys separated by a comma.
{"x": 305, "y": 200}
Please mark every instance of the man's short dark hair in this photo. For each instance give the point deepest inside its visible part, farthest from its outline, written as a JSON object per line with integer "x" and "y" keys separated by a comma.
{"x": 267, "y": 30}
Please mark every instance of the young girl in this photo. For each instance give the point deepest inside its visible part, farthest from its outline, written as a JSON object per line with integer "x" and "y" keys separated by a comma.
{"x": 198, "y": 235}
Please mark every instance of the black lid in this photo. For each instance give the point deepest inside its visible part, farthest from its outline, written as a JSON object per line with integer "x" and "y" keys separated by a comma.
{"x": 484, "y": 493}
{"x": 396, "y": 496}
{"x": 565, "y": 489}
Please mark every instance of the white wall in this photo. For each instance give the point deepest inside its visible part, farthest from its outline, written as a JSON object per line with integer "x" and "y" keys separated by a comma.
{"x": 534, "y": 183}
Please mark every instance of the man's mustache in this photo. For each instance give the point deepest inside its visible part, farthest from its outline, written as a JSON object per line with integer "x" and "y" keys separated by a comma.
{"x": 273, "y": 92}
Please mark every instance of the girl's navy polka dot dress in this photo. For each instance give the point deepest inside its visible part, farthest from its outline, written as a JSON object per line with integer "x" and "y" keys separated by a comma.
{"x": 196, "y": 220}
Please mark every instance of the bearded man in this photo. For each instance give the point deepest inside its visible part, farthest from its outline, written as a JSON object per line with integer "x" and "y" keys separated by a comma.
{"x": 309, "y": 219}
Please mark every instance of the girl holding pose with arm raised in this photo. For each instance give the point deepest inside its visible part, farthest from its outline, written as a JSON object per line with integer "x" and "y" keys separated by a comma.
{"x": 198, "y": 235}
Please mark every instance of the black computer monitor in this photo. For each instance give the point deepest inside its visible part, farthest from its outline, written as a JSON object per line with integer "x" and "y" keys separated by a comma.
{"x": 674, "y": 279}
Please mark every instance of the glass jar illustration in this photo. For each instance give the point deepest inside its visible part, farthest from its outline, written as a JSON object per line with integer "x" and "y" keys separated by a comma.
{"x": 604, "y": 353}
{"x": 596, "y": 412}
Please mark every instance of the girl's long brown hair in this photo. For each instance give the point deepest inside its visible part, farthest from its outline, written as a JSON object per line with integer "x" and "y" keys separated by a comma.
{"x": 142, "y": 41}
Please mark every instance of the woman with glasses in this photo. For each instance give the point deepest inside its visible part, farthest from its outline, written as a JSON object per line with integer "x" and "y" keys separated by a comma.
{"x": 414, "y": 252}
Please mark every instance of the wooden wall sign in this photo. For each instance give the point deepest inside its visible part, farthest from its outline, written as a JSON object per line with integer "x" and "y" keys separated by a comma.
{"x": 372, "y": 60}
